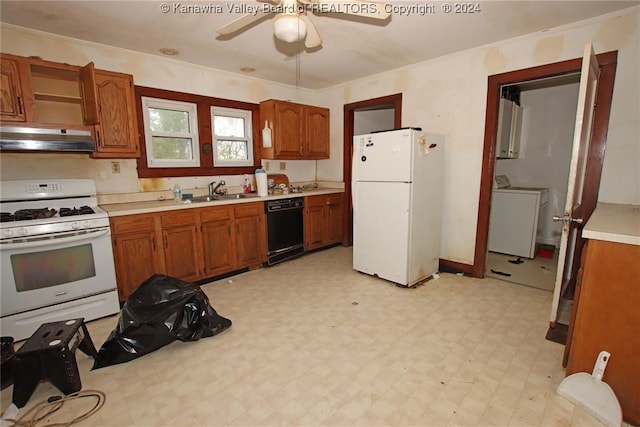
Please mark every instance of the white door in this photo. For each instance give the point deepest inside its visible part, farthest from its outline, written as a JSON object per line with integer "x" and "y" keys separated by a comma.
{"x": 381, "y": 229}
{"x": 384, "y": 156}
{"x": 572, "y": 211}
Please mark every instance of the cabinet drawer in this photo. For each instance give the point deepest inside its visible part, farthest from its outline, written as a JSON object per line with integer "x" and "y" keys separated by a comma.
{"x": 132, "y": 223}
{"x": 178, "y": 218}
{"x": 311, "y": 201}
{"x": 214, "y": 214}
{"x": 323, "y": 199}
{"x": 335, "y": 199}
{"x": 248, "y": 209}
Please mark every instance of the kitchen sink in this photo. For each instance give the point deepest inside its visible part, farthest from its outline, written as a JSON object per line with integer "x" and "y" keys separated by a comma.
{"x": 201, "y": 199}
{"x": 213, "y": 198}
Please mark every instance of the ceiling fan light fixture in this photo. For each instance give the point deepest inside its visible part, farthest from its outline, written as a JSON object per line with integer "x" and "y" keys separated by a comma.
{"x": 289, "y": 28}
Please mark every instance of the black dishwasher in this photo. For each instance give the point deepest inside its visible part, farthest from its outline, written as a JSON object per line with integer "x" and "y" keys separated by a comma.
{"x": 285, "y": 229}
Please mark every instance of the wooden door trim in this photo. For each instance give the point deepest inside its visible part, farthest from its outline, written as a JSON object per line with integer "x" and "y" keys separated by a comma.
{"x": 349, "y": 115}
{"x": 608, "y": 63}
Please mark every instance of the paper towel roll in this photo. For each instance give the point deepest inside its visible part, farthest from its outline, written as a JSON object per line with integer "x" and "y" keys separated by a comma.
{"x": 261, "y": 183}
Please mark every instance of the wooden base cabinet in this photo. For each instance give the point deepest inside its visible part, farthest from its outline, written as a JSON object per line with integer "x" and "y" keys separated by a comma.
{"x": 180, "y": 244}
{"x": 136, "y": 251}
{"x": 607, "y": 317}
{"x": 323, "y": 220}
{"x": 233, "y": 237}
{"x": 188, "y": 244}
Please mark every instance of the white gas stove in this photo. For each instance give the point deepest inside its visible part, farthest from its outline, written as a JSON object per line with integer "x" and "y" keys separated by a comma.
{"x": 56, "y": 257}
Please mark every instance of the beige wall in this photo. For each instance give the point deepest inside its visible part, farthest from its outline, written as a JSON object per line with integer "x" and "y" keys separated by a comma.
{"x": 446, "y": 95}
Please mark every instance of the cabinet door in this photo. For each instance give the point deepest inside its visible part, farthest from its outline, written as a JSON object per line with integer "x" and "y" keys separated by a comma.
{"x": 180, "y": 242}
{"x": 250, "y": 234}
{"x": 136, "y": 250}
{"x": 12, "y": 99}
{"x": 314, "y": 222}
{"x": 117, "y": 133}
{"x": 181, "y": 252}
{"x": 218, "y": 245}
{"x": 316, "y": 134}
{"x": 287, "y": 130}
{"x": 88, "y": 95}
{"x": 135, "y": 260}
{"x": 334, "y": 218}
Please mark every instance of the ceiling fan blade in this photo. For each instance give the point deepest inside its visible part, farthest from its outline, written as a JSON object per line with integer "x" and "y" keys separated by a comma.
{"x": 241, "y": 22}
{"x": 367, "y": 9}
{"x": 313, "y": 38}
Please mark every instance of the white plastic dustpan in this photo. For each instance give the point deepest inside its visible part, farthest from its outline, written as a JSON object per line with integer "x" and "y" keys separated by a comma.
{"x": 593, "y": 395}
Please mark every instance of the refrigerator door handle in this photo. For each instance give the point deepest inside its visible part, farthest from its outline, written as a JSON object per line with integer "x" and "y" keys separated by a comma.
{"x": 354, "y": 159}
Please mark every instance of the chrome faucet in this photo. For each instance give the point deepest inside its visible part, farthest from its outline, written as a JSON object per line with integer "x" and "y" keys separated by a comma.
{"x": 215, "y": 188}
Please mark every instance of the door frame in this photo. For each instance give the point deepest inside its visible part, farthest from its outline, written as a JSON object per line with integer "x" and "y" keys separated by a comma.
{"x": 390, "y": 101}
{"x": 595, "y": 156}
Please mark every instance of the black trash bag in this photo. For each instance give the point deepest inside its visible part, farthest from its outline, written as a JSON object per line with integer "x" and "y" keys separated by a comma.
{"x": 163, "y": 309}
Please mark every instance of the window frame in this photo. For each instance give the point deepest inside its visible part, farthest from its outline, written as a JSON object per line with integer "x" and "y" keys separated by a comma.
{"x": 205, "y": 147}
{"x": 168, "y": 104}
{"x": 235, "y": 113}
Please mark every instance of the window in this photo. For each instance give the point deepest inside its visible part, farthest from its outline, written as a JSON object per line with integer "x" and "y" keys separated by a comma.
{"x": 183, "y": 134}
{"x": 232, "y": 137}
{"x": 171, "y": 133}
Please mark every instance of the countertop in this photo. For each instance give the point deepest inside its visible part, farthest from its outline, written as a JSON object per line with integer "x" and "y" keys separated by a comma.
{"x": 132, "y": 208}
{"x": 612, "y": 222}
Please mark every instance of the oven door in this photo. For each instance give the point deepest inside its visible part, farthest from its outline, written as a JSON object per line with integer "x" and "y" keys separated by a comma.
{"x": 41, "y": 271}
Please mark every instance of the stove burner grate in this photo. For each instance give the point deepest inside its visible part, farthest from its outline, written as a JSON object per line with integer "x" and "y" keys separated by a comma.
{"x": 27, "y": 214}
{"x": 82, "y": 210}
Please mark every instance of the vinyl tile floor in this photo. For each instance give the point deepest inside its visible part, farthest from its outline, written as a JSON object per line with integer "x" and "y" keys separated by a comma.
{"x": 536, "y": 272}
{"x": 314, "y": 343}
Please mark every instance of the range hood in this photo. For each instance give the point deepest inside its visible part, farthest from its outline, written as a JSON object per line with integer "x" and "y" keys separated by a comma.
{"x": 42, "y": 139}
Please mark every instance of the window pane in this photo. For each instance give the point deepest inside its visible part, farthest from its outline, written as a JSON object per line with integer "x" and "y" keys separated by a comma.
{"x": 161, "y": 120}
{"x": 172, "y": 148}
{"x": 228, "y": 126}
{"x": 232, "y": 150}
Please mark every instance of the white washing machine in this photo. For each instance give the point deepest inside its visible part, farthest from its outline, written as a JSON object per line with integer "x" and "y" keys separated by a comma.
{"x": 514, "y": 224}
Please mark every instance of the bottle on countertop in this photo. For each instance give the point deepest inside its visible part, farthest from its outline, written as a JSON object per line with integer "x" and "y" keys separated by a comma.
{"x": 247, "y": 184}
{"x": 177, "y": 194}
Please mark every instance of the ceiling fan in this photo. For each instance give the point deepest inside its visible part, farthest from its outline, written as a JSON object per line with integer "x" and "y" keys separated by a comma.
{"x": 292, "y": 24}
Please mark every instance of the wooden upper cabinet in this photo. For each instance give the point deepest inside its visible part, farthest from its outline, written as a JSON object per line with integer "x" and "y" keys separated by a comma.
{"x": 317, "y": 132}
{"x": 117, "y": 131}
{"x": 12, "y": 99}
{"x": 37, "y": 93}
{"x": 298, "y": 131}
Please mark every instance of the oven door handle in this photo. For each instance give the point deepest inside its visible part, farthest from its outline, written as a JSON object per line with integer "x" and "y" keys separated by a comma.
{"x": 39, "y": 242}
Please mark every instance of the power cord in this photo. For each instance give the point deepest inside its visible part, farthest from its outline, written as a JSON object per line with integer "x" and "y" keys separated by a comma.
{"x": 43, "y": 409}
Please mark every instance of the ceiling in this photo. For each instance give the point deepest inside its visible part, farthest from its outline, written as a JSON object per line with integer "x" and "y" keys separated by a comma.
{"x": 353, "y": 47}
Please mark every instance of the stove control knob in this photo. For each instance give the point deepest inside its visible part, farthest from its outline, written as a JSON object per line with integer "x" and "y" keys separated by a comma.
{"x": 22, "y": 231}
{"x": 7, "y": 233}
{"x": 75, "y": 225}
{"x": 86, "y": 224}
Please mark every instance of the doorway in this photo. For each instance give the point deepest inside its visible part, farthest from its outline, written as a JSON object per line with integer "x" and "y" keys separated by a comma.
{"x": 373, "y": 114}
{"x": 595, "y": 154}
{"x": 523, "y": 238}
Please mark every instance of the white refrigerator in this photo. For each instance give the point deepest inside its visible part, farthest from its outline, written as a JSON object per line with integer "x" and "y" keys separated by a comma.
{"x": 397, "y": 204}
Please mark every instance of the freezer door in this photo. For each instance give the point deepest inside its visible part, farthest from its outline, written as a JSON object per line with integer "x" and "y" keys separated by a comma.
{"x": 384, "y": 157}
{"x": 381, "y": 230}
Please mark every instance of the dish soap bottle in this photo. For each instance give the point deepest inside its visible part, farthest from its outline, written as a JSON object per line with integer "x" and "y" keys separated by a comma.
{"x": 177, "y": 194}
{"x": 247, "y": 185}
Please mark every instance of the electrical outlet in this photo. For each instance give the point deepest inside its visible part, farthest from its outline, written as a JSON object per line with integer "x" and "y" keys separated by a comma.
{"x": 283, "y": 166}
{"x": 115, "y": 167}
{"x": 266, "y": 166}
